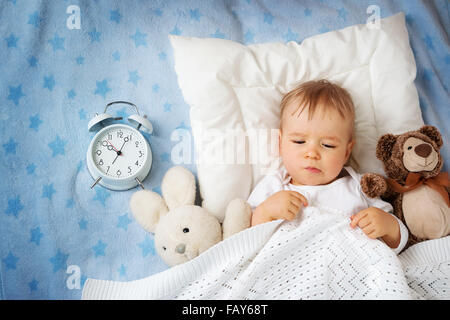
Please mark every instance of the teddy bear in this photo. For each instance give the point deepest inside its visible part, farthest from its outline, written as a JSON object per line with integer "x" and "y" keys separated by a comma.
{"x": 415, "y": 185}
{"x": 181, "y": 229}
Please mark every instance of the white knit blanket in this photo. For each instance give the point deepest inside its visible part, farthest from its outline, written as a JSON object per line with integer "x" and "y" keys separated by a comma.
{"x": 316, "y": 256}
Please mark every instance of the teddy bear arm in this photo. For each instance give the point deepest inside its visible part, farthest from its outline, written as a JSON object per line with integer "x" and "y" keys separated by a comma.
{"x": 374, "y": 185}
{"x": 389, "y": 195}
{"x": 397, "y": 204}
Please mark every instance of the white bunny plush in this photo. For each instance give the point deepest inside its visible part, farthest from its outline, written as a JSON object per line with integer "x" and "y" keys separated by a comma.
{"x": 181, "y": 229}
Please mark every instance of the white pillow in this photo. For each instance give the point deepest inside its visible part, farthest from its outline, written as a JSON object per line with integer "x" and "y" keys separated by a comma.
{"x": 231, "y": 87}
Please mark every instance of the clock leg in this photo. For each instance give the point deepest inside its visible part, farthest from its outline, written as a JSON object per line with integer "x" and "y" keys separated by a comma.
{"x": 96, "y": 181}
{"x": 140, "y": 183}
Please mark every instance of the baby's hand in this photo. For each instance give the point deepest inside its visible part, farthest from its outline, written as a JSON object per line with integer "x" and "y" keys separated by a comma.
{"x": 376, "y": 223}
{"x": 281, "y": 205}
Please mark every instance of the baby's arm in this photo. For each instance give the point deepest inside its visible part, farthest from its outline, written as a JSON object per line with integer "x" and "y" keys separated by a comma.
{"x": 283, "y": 204}
{"x": 377, "y": 223}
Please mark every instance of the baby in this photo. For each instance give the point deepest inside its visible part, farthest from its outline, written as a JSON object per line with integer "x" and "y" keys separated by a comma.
{"x": 316, "y": 137}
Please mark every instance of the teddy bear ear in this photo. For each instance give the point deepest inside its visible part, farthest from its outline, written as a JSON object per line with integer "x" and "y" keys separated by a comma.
{"x": 432, "y": 133}
{"x": 384, "y": 146}
{"x": 147, "y": 208}
{"x": 178, "y": 187}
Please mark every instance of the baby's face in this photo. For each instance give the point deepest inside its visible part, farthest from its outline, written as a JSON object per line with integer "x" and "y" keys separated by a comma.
{"x": 314, "y": 151}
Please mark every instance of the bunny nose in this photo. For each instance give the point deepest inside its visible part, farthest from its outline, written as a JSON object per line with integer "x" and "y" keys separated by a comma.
{"x": 423, "y": 150}
{"x": 180, "y": 248}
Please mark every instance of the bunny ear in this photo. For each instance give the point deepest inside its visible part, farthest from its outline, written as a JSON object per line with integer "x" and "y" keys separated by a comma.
{"x": 147, "y": 207}
{"x": 178, "y": 187}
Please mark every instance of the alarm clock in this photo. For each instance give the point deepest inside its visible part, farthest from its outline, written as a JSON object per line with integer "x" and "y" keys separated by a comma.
{"x": 119, "y": 157}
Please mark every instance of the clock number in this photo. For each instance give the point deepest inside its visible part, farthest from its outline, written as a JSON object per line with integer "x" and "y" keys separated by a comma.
{"x": 100, "y": 162}
{"x": 137, "y": 144}
{"x": 118, "y": 173}
{"x": 137, "y": 163}
{"x": 107, "y": 170}
{"x": 119, "y": 134}
{"x": 129, "y": 169}
{"x": 106, "y": 144}
{"x": 98, "y": 152}
{"x": 109, "y": 136}
{"x": 140, "y": 154}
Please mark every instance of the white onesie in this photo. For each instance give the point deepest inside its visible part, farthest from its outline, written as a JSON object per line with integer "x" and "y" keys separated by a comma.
{"x": 343, "y": 194}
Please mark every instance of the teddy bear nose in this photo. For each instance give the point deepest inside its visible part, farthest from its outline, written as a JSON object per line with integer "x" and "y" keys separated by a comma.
{"x": 423, "y": 150}
{"x": 180, "y": 248}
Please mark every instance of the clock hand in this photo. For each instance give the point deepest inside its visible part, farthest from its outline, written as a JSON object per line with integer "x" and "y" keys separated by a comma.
{"x": 112, "y": 145}
{"x": 120, "y": 151}
{"x": 115, "y": 158}
{"x": 122, "y": 145}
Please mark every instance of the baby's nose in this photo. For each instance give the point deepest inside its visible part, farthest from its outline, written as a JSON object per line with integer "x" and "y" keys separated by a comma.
{"x": 180, "y": 248}
{"x": 312, "y": 154}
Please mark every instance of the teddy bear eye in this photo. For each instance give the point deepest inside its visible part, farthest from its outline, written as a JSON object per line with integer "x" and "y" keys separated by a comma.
{"x": 186, "y": 230}
{"x": 409, "y": 148}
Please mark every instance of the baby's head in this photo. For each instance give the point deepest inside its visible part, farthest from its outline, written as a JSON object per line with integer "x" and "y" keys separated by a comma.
{"x": 316, "y": 132}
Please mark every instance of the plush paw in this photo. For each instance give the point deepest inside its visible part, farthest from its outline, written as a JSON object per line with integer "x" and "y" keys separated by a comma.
{"x": 373, "y": 185}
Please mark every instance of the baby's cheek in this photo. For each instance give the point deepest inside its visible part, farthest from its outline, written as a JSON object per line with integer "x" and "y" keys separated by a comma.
{"x": 336, "y": 165}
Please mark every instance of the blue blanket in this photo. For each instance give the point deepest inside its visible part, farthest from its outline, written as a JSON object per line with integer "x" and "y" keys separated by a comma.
{"x": 63, "y": 61}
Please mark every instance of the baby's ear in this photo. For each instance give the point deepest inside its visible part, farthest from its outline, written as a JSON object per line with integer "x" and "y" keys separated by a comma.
{"x": 147, "y": 208}
{"x": 384, "y": 146}
{"x": 350, "y": 146}
{"x": 178, "y": 187}
{"x": 279, "y": 140}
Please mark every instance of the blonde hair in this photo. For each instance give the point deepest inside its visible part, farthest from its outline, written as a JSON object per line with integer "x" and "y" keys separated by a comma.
{"x": 322, "y": 92}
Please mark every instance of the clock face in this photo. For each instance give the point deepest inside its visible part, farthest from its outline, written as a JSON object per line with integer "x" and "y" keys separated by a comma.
{"x": 119, "y": 152}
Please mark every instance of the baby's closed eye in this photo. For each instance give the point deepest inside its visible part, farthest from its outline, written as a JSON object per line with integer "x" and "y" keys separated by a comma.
{"x": 326, "y": 145}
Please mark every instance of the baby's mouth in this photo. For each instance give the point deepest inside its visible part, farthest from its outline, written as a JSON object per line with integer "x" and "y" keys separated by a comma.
{"x": 313, "y": 169}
